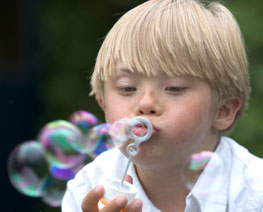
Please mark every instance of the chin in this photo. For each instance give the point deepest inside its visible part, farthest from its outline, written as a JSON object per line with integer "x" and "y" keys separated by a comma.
{"x": 146, "y": 153}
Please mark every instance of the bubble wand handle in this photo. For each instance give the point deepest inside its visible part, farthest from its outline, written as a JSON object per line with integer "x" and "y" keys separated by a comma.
{"x": 126, "y": 170}
{"x": 133, "y": 149}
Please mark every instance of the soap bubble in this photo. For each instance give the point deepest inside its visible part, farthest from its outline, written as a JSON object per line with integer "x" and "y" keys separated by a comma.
{"x": 83, "y": 120}
{"x": 66, "y": 173}
{"x": 28, "y": 168}
{"x": 99, "y": 140}
{"x": 57, "y": 183}
{"x": 119, "y": 132}
{"x": 54, "y": 192}
{"x": 92, "y": 140}
{"x": 101, "y": 147}
{"x": 197, "y": 165}
{"x": 42, "y": 169}
{"x": 56, "y": 138}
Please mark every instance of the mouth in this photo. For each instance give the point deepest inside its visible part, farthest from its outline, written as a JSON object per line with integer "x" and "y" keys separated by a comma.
{"x": 141, "y": 130}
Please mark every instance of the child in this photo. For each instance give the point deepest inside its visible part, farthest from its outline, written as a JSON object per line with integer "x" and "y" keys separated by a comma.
{"x": 182, "y": 65}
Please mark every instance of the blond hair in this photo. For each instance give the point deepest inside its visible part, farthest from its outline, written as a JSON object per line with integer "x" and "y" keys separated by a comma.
{"x": 185, "y": 37}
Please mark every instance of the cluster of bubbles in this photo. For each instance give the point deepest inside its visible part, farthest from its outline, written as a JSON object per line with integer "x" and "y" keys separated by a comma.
{"x": 42, "y": 167}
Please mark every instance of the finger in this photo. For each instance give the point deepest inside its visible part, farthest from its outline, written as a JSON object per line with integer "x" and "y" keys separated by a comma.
{"x": 90, "y": 202}
{"x": 128, "y": 178}
{"x": 134, "y": 206}
{"x": 116, "y": 205}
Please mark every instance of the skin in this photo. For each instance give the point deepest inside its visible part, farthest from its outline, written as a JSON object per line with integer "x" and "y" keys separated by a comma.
{"x": 184, "y": 121}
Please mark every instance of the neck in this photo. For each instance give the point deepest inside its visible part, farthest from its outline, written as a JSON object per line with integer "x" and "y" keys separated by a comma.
{"x": 164, "y": 188}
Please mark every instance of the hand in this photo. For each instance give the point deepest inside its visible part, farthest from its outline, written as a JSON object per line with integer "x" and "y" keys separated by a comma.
{"x": 90, "y": 202}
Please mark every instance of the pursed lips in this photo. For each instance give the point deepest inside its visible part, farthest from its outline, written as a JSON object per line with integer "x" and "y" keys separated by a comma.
{"x": 141, "y": 130}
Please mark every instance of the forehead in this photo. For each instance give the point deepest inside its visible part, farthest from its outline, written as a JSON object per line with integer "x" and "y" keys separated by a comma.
{"x": 123, "y": 69}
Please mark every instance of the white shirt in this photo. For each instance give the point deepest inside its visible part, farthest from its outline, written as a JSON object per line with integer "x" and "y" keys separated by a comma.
{"x": 240, "y": 182}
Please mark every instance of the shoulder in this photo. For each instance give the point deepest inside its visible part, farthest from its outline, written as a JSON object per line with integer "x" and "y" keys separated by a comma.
{"x": 246, "y": 176}
{"x": 242, "y": 159}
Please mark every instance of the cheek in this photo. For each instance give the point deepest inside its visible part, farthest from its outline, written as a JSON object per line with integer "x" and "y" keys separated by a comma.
{"x": 197, "y": 114}
{"x": 192, "y": 118}
{"x": 115, "y": 110}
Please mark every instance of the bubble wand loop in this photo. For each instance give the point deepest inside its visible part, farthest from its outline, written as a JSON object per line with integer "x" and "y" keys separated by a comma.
{"x": 134, "y": 148}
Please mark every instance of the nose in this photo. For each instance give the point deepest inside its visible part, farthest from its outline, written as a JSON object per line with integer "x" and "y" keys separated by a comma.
{"x": 148, "y": 104}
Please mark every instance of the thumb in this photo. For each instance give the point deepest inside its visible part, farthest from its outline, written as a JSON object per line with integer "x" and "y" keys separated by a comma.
{"x": 90, "y": 202}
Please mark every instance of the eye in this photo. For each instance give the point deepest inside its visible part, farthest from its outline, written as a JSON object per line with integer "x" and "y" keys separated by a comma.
{"x": 174, "y": 89}
{"x": 127, "y": 89}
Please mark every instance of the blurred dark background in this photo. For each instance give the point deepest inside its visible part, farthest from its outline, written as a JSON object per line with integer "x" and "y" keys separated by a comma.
{"x": 47, "y": 53}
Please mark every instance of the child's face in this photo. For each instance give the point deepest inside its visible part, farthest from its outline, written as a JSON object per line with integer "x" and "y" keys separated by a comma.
{"x": 178, "y": 107}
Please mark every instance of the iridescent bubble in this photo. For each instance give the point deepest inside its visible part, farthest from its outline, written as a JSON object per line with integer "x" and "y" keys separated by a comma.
{"x": 66, "y": 173}
{"x": 57, "y": 183}
{"x": 101, "y": 147}
{"x": 28, "y": 168}
{"x": 99, "y": 140}
{"x": 54, "y": 192}
{"x": 119, "y": 132}
{"x": 197, "y": 165}
{"x": 83, "y": 120}
{"x": 92, "y": 140}
{"x": 56, "y": 138}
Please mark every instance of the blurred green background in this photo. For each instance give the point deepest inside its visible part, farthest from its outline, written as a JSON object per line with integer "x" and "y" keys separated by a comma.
{"x": 68, "y": 35}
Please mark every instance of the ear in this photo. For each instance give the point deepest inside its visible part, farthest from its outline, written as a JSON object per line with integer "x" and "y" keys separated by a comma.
{"x": 100, "y": 100}
{"x": 226, "y": 114}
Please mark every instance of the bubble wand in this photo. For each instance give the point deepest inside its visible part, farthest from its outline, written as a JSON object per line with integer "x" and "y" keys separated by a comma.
{"x": 133, "y": 149}
{"x": 114, "y": 187}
